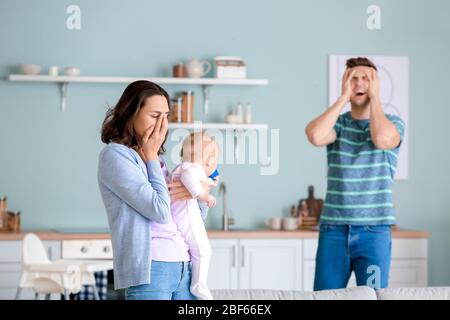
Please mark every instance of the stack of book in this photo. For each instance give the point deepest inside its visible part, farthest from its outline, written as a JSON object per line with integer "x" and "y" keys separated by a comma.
{"x": 230, "y": 68}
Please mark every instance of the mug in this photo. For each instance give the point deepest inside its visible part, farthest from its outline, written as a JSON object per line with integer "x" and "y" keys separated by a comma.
{"x": 53, "y": 71}
{"x": 290, "y": 223}
{"x": 274, "y": 223}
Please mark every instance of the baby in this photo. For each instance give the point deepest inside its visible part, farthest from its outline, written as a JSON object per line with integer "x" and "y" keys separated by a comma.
{"x": 199, "y": 161}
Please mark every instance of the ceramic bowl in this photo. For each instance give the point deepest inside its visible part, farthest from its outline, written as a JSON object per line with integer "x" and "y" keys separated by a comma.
{"x": 71, "y": 71}
{"x": 30, "y": 69}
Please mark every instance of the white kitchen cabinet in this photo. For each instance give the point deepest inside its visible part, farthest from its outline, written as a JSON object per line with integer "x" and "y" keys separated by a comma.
{"x": 408, "y": 273}
{"x": 309, "y": 268}
{"x": 270, "y": 264}
{"x": 11, "y": 266}
{"x": 408, "y": 263}
{"x": 223, "y": 270}
{"x": 241, "y": 263}
{"x": 256, "y": 264}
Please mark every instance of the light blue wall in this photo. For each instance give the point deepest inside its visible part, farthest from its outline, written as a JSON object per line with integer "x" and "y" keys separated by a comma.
{"x": 49, "y": 159}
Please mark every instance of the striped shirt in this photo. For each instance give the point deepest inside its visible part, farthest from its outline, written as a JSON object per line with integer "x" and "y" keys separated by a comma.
{"x": 360, "y": 176}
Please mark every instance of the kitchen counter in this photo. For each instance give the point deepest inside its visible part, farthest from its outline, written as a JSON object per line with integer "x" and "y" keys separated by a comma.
{"x": 213, "y": 234}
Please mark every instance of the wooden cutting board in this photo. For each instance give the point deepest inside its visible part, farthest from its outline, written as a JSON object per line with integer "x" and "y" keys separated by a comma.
{"x": 309, "y": 207}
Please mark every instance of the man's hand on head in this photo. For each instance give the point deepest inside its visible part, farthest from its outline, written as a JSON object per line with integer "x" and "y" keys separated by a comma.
{"x": 347, "y": 87}
{"x": 374, "y": 85}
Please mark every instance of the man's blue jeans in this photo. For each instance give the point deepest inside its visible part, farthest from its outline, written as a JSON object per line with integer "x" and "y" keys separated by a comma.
{"x": 169, "y": 281}
{"x": 365, "y": 249}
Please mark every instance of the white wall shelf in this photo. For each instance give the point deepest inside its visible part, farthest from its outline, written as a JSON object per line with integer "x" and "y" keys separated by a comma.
{"x": 219, "y": 126}
{"x": 206, "y": 83}
{"x": 95, "y": 79}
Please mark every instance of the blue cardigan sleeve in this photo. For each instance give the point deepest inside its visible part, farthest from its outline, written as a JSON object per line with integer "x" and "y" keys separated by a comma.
{"x": 120, "y": 173}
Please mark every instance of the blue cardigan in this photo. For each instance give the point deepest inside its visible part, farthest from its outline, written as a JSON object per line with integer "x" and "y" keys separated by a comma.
{"x": 133, "y": 193}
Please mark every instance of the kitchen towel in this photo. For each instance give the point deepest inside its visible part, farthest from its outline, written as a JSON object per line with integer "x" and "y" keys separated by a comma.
{"x": 87, "y": 293}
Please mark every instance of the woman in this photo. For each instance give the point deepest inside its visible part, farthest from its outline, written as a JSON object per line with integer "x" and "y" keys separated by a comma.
{"x": 133, "y": 184}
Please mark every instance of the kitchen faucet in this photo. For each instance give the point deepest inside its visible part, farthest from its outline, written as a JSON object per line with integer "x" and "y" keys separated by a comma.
{"x": 226, "y": 219}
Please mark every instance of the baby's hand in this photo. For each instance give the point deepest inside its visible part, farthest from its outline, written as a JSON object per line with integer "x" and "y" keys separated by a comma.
{"x": 216, "y": 181}
{"x": 211, "y": 200}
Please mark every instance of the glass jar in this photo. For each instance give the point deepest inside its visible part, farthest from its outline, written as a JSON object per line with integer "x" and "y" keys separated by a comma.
{"x": 3, "y": 208}
{"x": 175, "y": 110}
{"x": 187, "y": 106}
{"x": 13, "y": 221}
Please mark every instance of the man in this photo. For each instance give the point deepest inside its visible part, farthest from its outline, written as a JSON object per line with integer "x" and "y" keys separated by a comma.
{"x": 362, "y": 149}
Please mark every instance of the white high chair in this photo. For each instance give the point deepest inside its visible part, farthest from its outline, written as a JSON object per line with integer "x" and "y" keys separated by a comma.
{"x": 44, "y": 276}
{"x": 62, "y": 276}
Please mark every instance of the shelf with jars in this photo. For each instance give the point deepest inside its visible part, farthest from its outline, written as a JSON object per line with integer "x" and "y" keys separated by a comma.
{"x": 65, "y": 80}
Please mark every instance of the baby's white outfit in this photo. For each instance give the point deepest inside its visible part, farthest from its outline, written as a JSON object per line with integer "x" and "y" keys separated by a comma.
{"x": 187, "y": 216}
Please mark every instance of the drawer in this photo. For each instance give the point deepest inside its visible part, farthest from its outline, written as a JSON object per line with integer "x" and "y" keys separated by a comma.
{"x": 26, "y": 294}
{"x": 86, "y": 249}
{"x": 409, "y": 248}
{"x": 10, "y": 251}
{"x": 9, "y": 267}
{"x": 10, "y": 278}
{"x": 310, "y": 248}
{"x": 7, "y": 293}
{"x": 408, "y": 273}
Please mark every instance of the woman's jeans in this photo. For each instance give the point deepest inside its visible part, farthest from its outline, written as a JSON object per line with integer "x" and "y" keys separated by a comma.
{"x": 365, "y": 249}
{"x": 169, "y": 281}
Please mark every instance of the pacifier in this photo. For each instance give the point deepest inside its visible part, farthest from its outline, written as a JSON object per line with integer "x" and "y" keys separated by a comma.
{"x": 214, "y": 175}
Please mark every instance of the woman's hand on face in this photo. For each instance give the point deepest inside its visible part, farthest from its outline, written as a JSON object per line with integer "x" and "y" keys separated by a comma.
{"x": 153, "y": 139}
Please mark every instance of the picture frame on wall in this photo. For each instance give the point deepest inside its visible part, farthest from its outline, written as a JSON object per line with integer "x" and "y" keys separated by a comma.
{"x": 393, "y": 72}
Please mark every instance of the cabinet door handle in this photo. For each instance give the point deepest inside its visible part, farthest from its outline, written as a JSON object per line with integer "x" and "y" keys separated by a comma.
{"x": 242, "y": 257}
{"x": 234, "y": 257}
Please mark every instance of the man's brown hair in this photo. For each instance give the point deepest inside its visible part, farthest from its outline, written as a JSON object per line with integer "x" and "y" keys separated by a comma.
{"x": 360, "y": 61}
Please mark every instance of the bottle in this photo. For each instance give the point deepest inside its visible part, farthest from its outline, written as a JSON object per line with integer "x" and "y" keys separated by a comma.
{"x": 239, "y": 113}
{"x": 3, "y": 208}
{"x": 248, "y": 113}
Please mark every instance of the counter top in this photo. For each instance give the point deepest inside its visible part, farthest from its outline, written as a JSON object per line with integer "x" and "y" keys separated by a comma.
{"x": 213, "y": 234}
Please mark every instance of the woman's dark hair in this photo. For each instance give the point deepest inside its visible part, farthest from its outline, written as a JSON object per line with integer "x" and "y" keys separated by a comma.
{"x": 118, "y": 124}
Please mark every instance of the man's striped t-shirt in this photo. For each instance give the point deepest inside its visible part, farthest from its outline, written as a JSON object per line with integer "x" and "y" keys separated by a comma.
{"x": 360, "y": 176}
